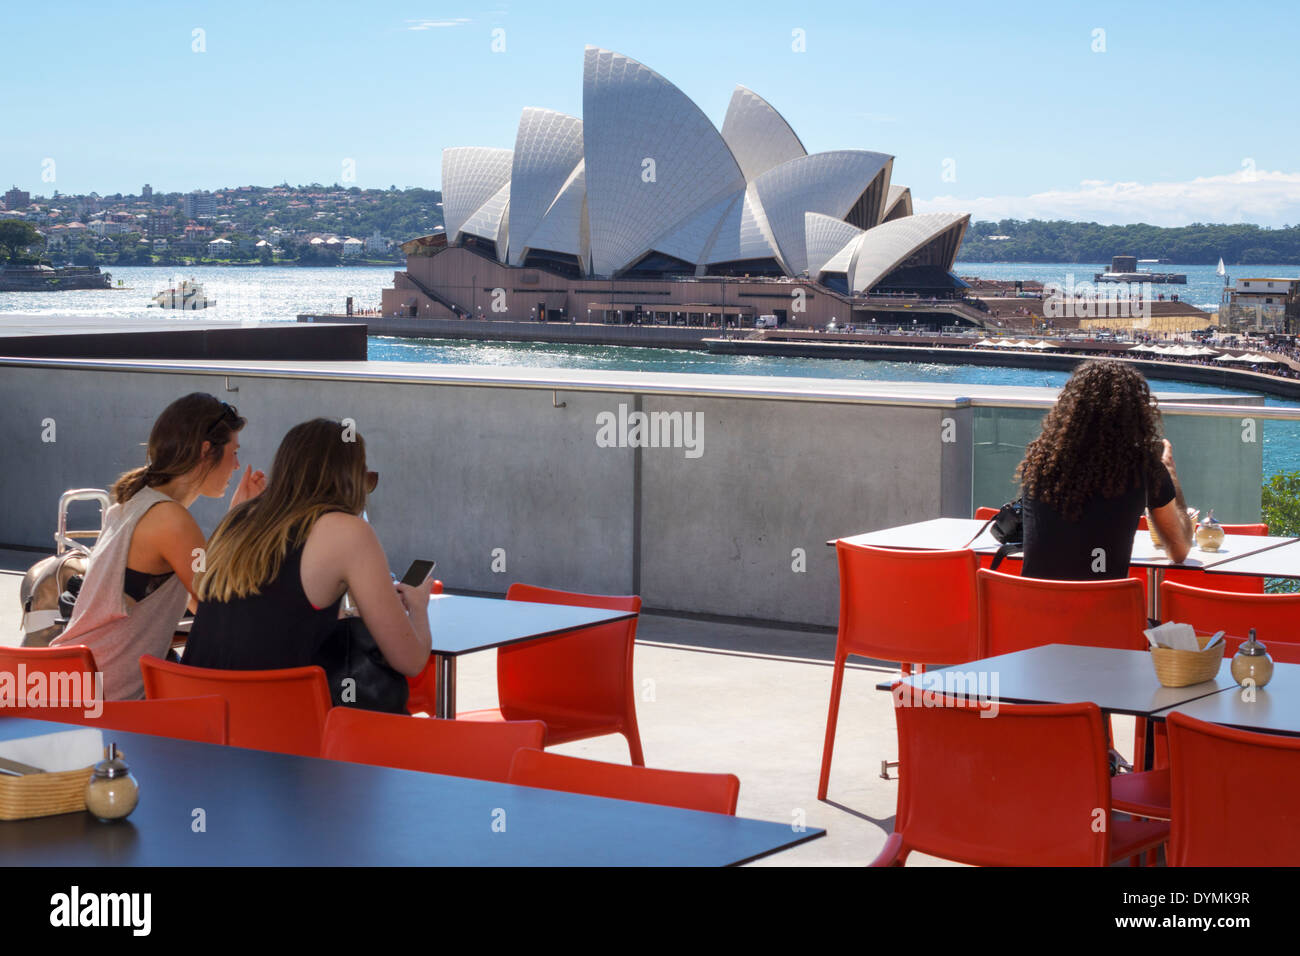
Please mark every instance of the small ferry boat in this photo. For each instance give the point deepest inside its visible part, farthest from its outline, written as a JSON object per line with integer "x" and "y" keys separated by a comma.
{"x": 186, "y": 294}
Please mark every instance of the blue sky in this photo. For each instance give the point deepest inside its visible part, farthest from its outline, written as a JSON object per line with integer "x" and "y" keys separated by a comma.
{"x": 1173, "y": 114}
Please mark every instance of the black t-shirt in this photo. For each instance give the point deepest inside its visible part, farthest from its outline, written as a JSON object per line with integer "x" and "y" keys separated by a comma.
{"x": 1097, "y": 546}
{"x": 275, "y": 629}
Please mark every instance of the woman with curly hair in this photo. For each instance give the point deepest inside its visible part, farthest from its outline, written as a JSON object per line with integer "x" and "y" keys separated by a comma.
{"x": 1086, "y": 478}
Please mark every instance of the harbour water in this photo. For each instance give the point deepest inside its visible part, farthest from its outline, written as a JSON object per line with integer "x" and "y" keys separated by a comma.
{"x": 282, "y": 292}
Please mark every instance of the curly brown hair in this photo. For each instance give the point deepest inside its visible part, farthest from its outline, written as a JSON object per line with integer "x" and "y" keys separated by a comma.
{"x": 1101, "y": 438}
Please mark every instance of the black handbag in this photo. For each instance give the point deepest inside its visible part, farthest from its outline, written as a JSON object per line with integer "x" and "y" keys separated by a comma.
{"x": 357, "y": 672}
{"x": 1008, "y": 528}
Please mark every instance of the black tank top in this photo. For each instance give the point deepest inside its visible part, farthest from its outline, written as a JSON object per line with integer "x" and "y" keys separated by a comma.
{"x": 277, "y": 628}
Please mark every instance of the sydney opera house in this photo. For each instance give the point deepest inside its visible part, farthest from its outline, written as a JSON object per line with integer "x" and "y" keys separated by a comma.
{"x": 643, "y": 211}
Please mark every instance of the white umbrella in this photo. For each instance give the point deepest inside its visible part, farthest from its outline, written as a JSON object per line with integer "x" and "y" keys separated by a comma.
{"x": 1231, "y": 358}
{"x": 1141, "y": 348}
{"x": 1044, "y": 345}
{"x": 1258, "y": 359}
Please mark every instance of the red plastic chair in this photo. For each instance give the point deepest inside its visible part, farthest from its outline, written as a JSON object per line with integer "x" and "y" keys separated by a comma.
{"x": 201, "y": 719}
{"x": 1022, "y": 789}
{"x": 63, "y": 668}
{"x": 1222, "y": 779}
{"x": 280, "y": 710}
{"x": 1016, "y": 613}
{"x": 914, "y": 607}
{"x": 1275, "y": 617}
{"x": 579, "y": 684}
{"x": 713, "y": 792}
{"x": 458, "y": 748}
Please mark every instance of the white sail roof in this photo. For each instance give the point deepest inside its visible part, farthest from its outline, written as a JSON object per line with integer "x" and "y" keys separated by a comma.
{"x": 744, "y": 233}
{"x": 563, "y": 227}
{"x": 654, "y": 160}
{"x": 891, "y": 244}
{"x": 898, "y": 203}
{"x": 489, "y": 220}
{"x": 548, "y": 146}
{"x": 830, "y": 242}
{"x": 690, "y": 240}
{"x": 829, "y": 183}
{"x": 758, "y": 135}
{"x": 471, "y": 175}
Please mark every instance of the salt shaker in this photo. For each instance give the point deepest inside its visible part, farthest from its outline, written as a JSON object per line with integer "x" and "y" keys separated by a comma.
{"x": 112, "y": 792}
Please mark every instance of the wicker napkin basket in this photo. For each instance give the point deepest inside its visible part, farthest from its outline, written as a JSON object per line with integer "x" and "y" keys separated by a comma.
{"x": 43, "y": 794}
{"x": 1176, "y": 668}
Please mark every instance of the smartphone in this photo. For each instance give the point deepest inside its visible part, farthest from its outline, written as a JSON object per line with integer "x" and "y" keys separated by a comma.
{"x": 417, "y": 572}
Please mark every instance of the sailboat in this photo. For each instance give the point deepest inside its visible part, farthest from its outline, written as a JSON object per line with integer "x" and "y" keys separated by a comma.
{"x": 1225, "y": 297}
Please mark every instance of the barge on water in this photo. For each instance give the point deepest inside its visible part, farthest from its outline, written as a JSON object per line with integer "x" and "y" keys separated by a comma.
{"x": 1125, "y": 269}
{"x": 44, "y": 278}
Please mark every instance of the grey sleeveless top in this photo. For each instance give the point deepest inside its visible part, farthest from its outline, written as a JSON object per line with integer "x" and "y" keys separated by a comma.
{"x": 118, "y": 632}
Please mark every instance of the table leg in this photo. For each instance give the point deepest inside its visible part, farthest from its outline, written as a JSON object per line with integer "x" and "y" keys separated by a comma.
{"x": 1154, "y": 577}
{"x": 445, "y": 695}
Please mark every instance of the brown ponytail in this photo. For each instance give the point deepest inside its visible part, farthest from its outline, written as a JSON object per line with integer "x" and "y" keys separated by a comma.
{"x": 176, "y": 442}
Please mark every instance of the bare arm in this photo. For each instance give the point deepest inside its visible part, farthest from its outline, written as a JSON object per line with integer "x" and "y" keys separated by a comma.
{"x": 1173, "y": 520}
{"x": 345, "y": 549}
{"x": 166, "y": 539}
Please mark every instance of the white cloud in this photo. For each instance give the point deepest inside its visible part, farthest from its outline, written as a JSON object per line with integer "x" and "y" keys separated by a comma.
{"x": 427, "y": 24}
{"x": 1256, "y": 196}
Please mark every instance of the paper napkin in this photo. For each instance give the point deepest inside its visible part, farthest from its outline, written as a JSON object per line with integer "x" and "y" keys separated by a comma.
{"x": 63, "y": 750}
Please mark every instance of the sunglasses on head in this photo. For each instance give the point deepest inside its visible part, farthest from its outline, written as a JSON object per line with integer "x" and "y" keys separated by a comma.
{"x": 229, "y": 415}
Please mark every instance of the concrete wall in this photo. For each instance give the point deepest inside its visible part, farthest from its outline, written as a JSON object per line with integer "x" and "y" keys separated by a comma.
{"x": 468, "y": 469}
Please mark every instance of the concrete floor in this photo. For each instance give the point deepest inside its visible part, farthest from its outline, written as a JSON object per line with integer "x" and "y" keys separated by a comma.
{"x": 729, "y": 698}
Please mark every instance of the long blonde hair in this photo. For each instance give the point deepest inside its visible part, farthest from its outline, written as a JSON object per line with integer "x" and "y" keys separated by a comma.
{"x": 319, "y": 467}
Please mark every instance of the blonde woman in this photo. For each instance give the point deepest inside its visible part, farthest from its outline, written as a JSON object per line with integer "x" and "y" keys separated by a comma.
{"x": 140, "y": 575}
{"x": 278, "y": 565}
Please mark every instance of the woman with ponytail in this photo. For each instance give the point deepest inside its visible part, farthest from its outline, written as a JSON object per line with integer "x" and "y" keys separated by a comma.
{"x": 141, "y": 572}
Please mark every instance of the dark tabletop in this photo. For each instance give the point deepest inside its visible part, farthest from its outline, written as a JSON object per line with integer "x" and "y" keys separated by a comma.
{"x": 1274, "y": 708}
{"x": 460, "y": 624}
{"x": 1122, "y": 682}
{"x": 278, "y": 810}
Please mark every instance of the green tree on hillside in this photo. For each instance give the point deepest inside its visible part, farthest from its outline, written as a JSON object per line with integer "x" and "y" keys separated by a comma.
{"x": 15, "y": 236}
